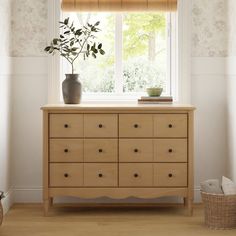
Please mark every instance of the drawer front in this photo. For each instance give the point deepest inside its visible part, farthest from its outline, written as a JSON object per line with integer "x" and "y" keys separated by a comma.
{"x": 170, "y": 125}
{"x": 104, "y": 125}
{"x": 136, "y": 175}
{"x": 100, "y": 150}
{"x": 170, "y": 150}
{"x": 66, "y": 150}
{"x": 170, "y": 175}
{"x": 66, "y": 125}
{"x": 138, "y": 125}
{"x": 66, "y": 175}
{"x": 100, "y": 175}
{"x": 135, "y": 150}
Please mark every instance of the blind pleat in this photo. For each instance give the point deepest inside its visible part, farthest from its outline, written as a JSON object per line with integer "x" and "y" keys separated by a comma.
{"x": 119, "y": 5}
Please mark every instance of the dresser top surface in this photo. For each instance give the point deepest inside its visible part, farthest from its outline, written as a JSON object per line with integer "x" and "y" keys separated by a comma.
{"x": 118, "y": 107}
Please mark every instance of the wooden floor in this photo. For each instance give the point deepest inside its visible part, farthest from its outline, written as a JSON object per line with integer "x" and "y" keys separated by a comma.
{"x": 28, "y": 220}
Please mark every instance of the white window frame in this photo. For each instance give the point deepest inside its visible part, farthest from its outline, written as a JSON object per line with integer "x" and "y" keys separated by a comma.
{"x": 180, "y": 61}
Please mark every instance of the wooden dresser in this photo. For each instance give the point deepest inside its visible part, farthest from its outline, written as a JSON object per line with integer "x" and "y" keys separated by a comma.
{"x": 118, "y": 151}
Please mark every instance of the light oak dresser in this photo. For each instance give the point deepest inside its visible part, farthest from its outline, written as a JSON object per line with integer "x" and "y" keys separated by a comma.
{"x": 118, "y": 151}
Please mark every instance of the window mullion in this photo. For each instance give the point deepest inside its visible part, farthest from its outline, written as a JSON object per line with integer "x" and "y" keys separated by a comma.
{"x": 118, "y": 54}
{"x": 169, "y": 53}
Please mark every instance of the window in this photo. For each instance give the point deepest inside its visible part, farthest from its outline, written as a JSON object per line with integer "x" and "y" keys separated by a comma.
{"x": 178, "y": 56}
{"x": 138, "y": 55}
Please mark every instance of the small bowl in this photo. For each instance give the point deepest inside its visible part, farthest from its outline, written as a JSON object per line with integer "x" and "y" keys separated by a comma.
{"x": 154, "y": 92}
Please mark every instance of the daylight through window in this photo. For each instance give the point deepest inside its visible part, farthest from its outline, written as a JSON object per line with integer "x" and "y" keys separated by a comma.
{"x": 138, "y": 53}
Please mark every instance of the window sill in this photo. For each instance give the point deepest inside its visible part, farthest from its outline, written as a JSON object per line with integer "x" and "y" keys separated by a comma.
{"x": 111, "y": 99}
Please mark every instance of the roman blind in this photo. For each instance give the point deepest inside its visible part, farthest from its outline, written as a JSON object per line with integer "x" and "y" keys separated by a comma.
{"x": 119, "y": 5}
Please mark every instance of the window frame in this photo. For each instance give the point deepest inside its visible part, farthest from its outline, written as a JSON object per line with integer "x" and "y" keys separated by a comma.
{"x": 180, "y": 60}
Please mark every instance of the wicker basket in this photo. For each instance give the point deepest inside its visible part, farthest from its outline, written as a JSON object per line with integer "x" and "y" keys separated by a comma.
{"x": 220, "y": 210}
{"x": 1, "y": 209}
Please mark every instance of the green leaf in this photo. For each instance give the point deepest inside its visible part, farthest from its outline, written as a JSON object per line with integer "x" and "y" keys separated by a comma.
{"x": 97, "y": 23}
{"x": 94, "y": 55}
{"x": 100, "y": 46}
{"x": 47, "y": 48}
{"x": 66, "y": 21}
{"x": 55, "y": 41}
{"x": 102, "y": 52}
{"x": 51, "y": 50}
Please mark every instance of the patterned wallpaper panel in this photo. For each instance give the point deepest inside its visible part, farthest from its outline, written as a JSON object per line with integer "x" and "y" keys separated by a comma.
{"x": 209, "y": 28}
{"x": 5, "y": 13}
{"x": 231, "y": 27}
{"x": 29, "y": 27}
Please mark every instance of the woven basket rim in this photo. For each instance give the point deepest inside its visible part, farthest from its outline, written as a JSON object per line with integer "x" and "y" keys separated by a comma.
{"x": 218, "y": 194}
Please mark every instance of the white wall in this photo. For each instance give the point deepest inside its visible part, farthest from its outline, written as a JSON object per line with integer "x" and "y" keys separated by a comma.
{"x": 209, "y": 96}
{"x": 231, "y": 89}
{"x": 5, "y": 103}
{"x": 30, "y": 92}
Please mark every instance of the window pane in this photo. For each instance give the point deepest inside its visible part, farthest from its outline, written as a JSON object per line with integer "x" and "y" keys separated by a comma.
{"x": 97, "y": 75}
{"x": 144, "y": 51}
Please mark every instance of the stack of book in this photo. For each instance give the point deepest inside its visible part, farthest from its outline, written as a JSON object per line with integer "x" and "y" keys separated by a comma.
{"x": 155, "y": 100}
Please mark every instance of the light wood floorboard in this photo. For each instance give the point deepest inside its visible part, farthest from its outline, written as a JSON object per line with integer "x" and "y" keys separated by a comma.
{"x": 28, "y": 220}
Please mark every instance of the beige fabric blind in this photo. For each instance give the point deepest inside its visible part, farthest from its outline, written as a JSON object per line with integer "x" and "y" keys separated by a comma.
{"x": 119, "y": 5}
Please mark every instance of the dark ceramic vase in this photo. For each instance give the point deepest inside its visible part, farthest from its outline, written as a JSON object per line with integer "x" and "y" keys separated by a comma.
{"x": 72, "y": 89}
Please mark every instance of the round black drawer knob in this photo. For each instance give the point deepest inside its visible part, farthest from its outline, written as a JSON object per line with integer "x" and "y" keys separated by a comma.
{"x": 66, "y": 150}
{"x": 100, "y": 150}
{"x": 100, "y": 175}
{"x": 66, "y": 175}
{"x": 136, "y": 126}
{"x": 170, "y": 175}
{"x": 136, "y": 150}
{"x": 170, "y": 150}
{"x": 135, "y": 175}
{"x": 66, "y": 125}
{"x": 100, "y": 126}
{"x": 170, "y": 126}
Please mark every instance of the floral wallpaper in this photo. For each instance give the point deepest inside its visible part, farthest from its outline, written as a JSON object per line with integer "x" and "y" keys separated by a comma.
{"x": 29, "y": 27}
{"x": 5, "y": 13}
{"x": 209, "y": 28}
{"x": 231, "y": 28}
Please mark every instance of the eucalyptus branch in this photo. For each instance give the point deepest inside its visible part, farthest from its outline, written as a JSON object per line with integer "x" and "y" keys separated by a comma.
{"x": 74, "y": 42}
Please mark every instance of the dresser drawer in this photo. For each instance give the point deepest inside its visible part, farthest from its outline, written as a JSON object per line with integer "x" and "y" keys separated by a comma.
{"x": 66, "y": 175}
{"x": 100, "y": 175}
{"x": 137, "y": 125}
{"x": 135, "y": 150}
{"x": 100, "y": 150}
{"x": 66, "y": 150}
{"x": 170, "y": 150}
{"x": 171, "y": 125}
{"x": 135, "y": 175}
{"x": 104, "y": 125}
{"x": 66, "y": 125}
{"x": 170, "y": 175}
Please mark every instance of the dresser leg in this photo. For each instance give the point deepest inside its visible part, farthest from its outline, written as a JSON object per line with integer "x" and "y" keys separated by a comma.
{"x": 50, "y": 201}
{"x": 46, "y": 205}
{"x": 185, "y": 201}
{"x": 188, "y": 203}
